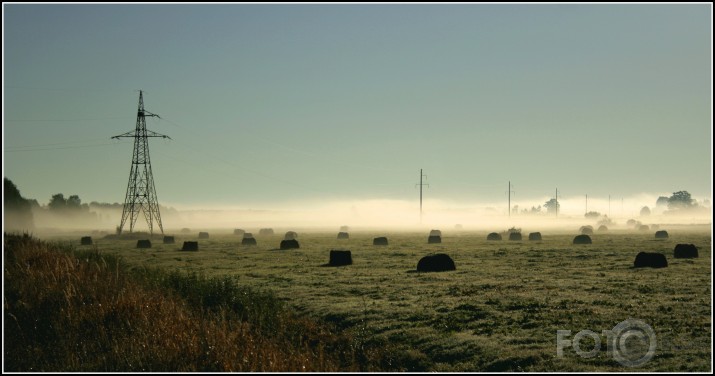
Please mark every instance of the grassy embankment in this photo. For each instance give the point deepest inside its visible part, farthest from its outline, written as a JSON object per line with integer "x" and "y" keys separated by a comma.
{"x": 82, "y": 310}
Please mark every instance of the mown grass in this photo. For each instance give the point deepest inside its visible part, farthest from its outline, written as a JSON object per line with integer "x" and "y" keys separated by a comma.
{"x": 83, "y": 310}
{"x": 499, "y": 311}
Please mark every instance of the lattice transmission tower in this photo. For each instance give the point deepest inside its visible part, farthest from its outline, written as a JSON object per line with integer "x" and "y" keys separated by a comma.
{"x": 141, "y": 194}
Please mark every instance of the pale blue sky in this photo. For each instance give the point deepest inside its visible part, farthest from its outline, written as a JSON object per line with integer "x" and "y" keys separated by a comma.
{"x": 286, "y": 103}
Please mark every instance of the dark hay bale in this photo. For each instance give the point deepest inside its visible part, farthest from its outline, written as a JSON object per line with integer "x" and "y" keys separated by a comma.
{"x": 185, "y": 230}
{"x": 249, "y": 241}
{"x": 435, "y": 233}
{"x": 168, "y": 240}
{"x": 290, "y": 235}
{"x": 493, "y": 236}
{"x": 343, "y": 235}
{"x": 535, "y": 236}
{"x": 289, "y": 244}
{"x": 516, "y": 236}
{"x": 582, "y": 239}
{"x": 602, "y": 228}
{"x": 190, "y": 246}
{"x": 434, "y": 239}
{"x": 685, "y": 251}
{"x": 144, "y": 243}
{"x": 436, "y": 263}
{"x": 643, "y": 228}
{"x": 86, "y": 240}
{"x": 650, "y": 260}
{"x": 586, "y": 230}
{"x": 238, "y": 231}
{"x": 265, "y": 231}
{"x": 661, "y": 234}
{"x": 344, "y": 228}
{"x": 339, "y": 257}
{"x": 379, "y": 241}
{"x": 203, "y": 235}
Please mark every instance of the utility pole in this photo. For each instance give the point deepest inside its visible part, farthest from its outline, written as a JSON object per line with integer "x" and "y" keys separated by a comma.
{"x": 141, "y": 194}
{"x": 421, "y": 184}
{"x": 509, "y": 191}
{"x": 557, "y": 202}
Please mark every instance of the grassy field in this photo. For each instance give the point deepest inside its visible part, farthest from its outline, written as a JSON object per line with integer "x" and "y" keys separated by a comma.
{"x": 499, "y": 311}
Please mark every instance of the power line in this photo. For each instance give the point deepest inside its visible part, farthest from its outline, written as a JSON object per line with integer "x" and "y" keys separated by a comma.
{"x": 421, "y": 184}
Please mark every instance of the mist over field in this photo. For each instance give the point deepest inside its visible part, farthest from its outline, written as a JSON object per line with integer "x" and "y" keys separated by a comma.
{"x": 390, "y": 215}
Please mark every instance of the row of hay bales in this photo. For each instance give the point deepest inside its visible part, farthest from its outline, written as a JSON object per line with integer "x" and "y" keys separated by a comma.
{"x": 658, "y": 260}
{"x": 514, "y": 236}
{"x": 435, "y": 237}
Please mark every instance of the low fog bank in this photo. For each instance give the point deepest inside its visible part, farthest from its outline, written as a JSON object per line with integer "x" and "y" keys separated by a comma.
{"x": 392, "y": 215}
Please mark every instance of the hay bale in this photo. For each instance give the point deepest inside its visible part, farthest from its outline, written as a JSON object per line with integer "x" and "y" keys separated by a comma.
{"x": 494, "y": 236}
{"x": 643, "y": 228}
{"x": 435, "y": 233}
{"x": 602, "y": 228}
{"x": 582, "y": 239}
{"x": 515, "y": 236}
{"x": 265, "y": 231}
{"x": 650, "y": 260}
{"x": 632, "y": 223}
{"x": 168, "y": 240}
{"x": 586, "y": 230}
{"x": 290, "y": 235}
{"x": 248, "y": 239}
{"x": 344, "y": 228}
{"x": 203, "y": 235}
{"x": 143, "y": 243}
{"x": 238, "y": 231}
{"x": 654, "y": 227}
{"x": 685, "y": 251}
{"x": 457, "y": 226}
{"x": 86, "y": 240}
{"x": 340, "y": 257}
{"x": 185, "y": 230}
{"x": 434, "y": 239}
{"x": 439, "y": 262}
{"x": 289, "y": 244}
{"x": 535, "y": 236}
{"x": 661, "y": 234}
{"x": 343, "y": 235}
{"x": 379, "y": 241}
{"x": 190, "y": 246}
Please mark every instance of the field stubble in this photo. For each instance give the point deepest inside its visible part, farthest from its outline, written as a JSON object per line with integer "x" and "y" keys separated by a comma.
{"x": 499, "y": 311}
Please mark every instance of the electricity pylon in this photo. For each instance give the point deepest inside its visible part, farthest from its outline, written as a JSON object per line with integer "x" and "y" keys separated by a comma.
{"x": 141, "y": 194}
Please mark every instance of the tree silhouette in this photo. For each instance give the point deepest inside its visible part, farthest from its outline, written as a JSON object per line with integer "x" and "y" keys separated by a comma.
{"x": 680, "y": 200}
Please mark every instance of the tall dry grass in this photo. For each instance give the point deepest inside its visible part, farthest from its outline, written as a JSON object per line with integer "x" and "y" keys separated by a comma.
{"x": 71, "y": 311}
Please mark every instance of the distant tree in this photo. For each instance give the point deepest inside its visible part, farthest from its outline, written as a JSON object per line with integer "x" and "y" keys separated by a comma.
{"x": 17, "y": 210}
{"x": 552, "y": 206}
{"x": 661, "y": 202}
{"x": 57, "y": 203}
{"x": 74, "y": 202}
{"x": 605, "y": 221}
{"x": 680, "y": 200}
{"x": 645, "y": 211}
{"x": 592, "y": 214}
